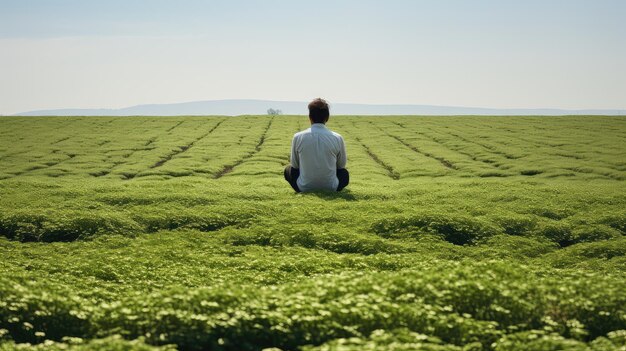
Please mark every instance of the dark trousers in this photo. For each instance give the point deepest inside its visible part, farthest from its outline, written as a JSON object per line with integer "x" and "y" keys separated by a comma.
{"x": 292, "y": 174}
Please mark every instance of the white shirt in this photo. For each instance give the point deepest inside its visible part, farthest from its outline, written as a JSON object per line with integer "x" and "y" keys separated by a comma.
{"x": 318, "y": 152}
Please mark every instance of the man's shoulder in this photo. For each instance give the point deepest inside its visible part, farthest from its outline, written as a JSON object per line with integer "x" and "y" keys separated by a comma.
{"x": 336, "y": 135}
{"x": 300, "y": 133}
{"x": 308, "y": 131}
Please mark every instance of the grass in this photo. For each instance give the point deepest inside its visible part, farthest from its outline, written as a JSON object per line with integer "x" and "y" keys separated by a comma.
{"x": 456, "y": 233}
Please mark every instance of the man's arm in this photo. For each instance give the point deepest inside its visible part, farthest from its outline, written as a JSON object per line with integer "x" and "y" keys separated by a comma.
{"x": 295, "y": 159}
{"x": 342, "y": 157}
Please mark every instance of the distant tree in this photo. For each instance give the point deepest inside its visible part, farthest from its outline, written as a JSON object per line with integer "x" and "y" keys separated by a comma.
{"x": 273, "y": 112}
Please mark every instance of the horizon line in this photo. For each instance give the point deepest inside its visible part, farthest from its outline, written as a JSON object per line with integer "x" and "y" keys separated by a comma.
{"x": 618, "y": 110}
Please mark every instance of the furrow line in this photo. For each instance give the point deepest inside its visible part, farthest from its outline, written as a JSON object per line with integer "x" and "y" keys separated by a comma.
{"x": 175, "y": 126}
{"x": 184, "y": 148}
{"x": 150, "y": 141}
{"x": 69, "y": 157}
{"x": 391, "y": 173}
{"x": 440, "y": 159}
{"x": 2, "y": 157}
{"x": 580, "y": 171}
{"x": 229, "y": 168}
{"x": 60, "y": 140}
{"x": 488, "y": 147}
{"x": 105, "y": 172}
{"x": 473, "y": 157}
{"x": 531, "y": 144}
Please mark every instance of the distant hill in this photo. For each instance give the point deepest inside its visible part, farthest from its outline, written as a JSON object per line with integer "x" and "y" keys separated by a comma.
{"x": 259, "y": 107}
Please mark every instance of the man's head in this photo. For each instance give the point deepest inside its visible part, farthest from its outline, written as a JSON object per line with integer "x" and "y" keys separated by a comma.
{"x": 318, "y": 111}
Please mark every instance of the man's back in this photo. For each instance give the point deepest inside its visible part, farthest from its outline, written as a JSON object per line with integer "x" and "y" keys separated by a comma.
{"x": 318, "y": 152}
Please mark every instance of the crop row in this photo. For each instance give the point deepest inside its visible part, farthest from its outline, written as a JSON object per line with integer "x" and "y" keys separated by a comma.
{"x": 396, "y": 147}
{"x": 482, "y": 305}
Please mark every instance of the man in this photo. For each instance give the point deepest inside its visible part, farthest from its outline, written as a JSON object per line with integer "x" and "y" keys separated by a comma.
{"x": 318, "y": 155}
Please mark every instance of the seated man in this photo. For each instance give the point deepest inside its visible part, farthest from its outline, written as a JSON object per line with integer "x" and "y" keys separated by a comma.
{"x": 318, "y": 155}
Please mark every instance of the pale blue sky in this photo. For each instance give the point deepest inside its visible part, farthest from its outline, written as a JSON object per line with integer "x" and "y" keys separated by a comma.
{"x": 504, "y": 54}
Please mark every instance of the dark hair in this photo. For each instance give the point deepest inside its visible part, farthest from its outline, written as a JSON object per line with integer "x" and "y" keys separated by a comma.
{"x": 319, "y": 111}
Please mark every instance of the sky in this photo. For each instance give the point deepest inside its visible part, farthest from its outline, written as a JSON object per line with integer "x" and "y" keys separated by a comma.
{"x": 567, "y": 54}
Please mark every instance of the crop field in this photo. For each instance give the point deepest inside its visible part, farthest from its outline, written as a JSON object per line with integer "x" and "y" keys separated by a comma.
{"x": 456, "y": 233}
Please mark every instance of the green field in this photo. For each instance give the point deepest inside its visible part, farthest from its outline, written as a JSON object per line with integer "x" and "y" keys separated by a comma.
{"x": 456, "y": 233}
